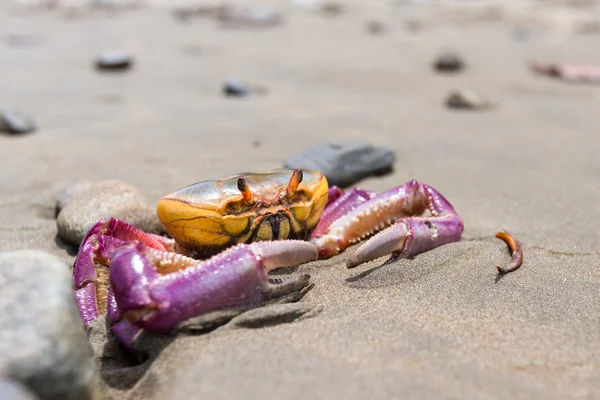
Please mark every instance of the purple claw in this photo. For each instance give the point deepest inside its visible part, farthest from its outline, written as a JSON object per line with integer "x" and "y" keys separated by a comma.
{"x": 101, "y": 241}
{"x": 124, "y": 331}
{"x": 363, "y": 215}
{"x": 415, "y": 235}
{"x": 157, "y": 301}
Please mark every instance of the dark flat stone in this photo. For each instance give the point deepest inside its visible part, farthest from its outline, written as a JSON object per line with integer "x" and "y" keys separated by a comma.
{"x": 344, "y": 163}
{"x": 448, "y": 62}
{"x": 235, "y": 88}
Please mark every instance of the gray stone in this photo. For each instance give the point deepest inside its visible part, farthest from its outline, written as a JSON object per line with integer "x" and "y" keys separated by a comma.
{"x": 111, "y": 198}
{"x": 466, "y": 100}
{"x": 114, "y": 61}
{"x": 43, "y": 344}
{"x": 448, "y": 62}
{"x": 235, "y": 88}
{"x": 15, "y": 121}
{"x": 344, "y": 163}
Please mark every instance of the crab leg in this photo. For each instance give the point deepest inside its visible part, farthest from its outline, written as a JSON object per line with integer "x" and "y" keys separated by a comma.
{"x": 101, "y": 241}
{"x": 339, "y": 207}
{"x": 153, "y": 297}
{"x": 413, "y": 235}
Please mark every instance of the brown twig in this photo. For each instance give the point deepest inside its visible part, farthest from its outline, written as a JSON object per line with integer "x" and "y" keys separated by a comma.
{"x": 515, "y": 251}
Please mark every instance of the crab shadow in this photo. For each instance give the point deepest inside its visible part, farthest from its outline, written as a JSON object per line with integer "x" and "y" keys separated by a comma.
{"x": 377, "y": 276}
{"x": 121, "y": 369}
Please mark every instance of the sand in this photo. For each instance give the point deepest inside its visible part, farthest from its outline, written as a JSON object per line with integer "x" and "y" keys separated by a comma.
{"x": 439, "y": 326}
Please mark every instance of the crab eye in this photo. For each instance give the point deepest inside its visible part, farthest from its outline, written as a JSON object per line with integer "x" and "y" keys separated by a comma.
{"x": 244, "y": 189}
{"x": 295, "y": 181}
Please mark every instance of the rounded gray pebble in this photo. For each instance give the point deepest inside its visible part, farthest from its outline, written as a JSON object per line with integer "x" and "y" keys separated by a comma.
{"x": 449, "y": 62}
{"x": 235, "y": 88}
{"x": 466, "y": 100}
{"x": 43, "y": 344}
{"x": 114, "y": 61}
{"x": 15, "y": 121}
{"x": 100, "y": 200}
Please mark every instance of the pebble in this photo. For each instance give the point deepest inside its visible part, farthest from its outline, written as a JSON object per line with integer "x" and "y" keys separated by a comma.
{"x": 15, "y": 121}
{"x": 81, "y": 207}
{"x": 344, "y": 163}
{"x": 235, "y": 88}
{"x": 448, "y": 62}
{"x": 252, "y": 16}
{"x": 466, "y": 99}
{"x": 43, "y": 344}
{"x": 113, "y": 61}
{"x": 238, "y": 88}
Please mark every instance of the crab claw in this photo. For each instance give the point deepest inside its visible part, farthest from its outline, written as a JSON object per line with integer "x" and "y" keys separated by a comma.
{"x": 413, "y": 236}
{"x": 400, "y": 210}
{"x": 155, "y": 290}
{"x": 93, "y": 258}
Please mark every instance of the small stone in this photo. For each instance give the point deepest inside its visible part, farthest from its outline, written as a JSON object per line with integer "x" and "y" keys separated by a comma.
{"x": 252, "y": 16}
{"x": 15, "y": 121}
{"x": 376, "y": 27}
{"x": 344, "y": 163}
{"x": 114, "y": 61}
{"x": 448, "y": 62}
{"x": 466, "y": 99}
{"x": 100, "y": 200}
{"x": 235, "y": 88}
{"x": 43, "y": 344}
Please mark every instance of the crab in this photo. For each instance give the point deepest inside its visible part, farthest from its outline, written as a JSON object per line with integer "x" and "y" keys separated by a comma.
{"x": 226, "y": 236}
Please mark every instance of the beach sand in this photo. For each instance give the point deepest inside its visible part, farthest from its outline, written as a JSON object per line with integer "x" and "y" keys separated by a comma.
{"x": 439, "y": 326}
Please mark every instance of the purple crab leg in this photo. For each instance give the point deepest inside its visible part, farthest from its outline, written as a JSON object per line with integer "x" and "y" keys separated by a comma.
{"x": 414, "y": 235}
{"x": 87, "y": 279}
{"x": 124, "y": 331}
{"x": 338, "y": 208}
{"x": 101, "y": 241}
{"x": 404, "y": 204}
{"x": 155, "y": 296}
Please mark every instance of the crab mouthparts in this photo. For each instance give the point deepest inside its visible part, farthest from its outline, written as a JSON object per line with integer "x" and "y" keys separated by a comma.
{"x": 273, "y": 226}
